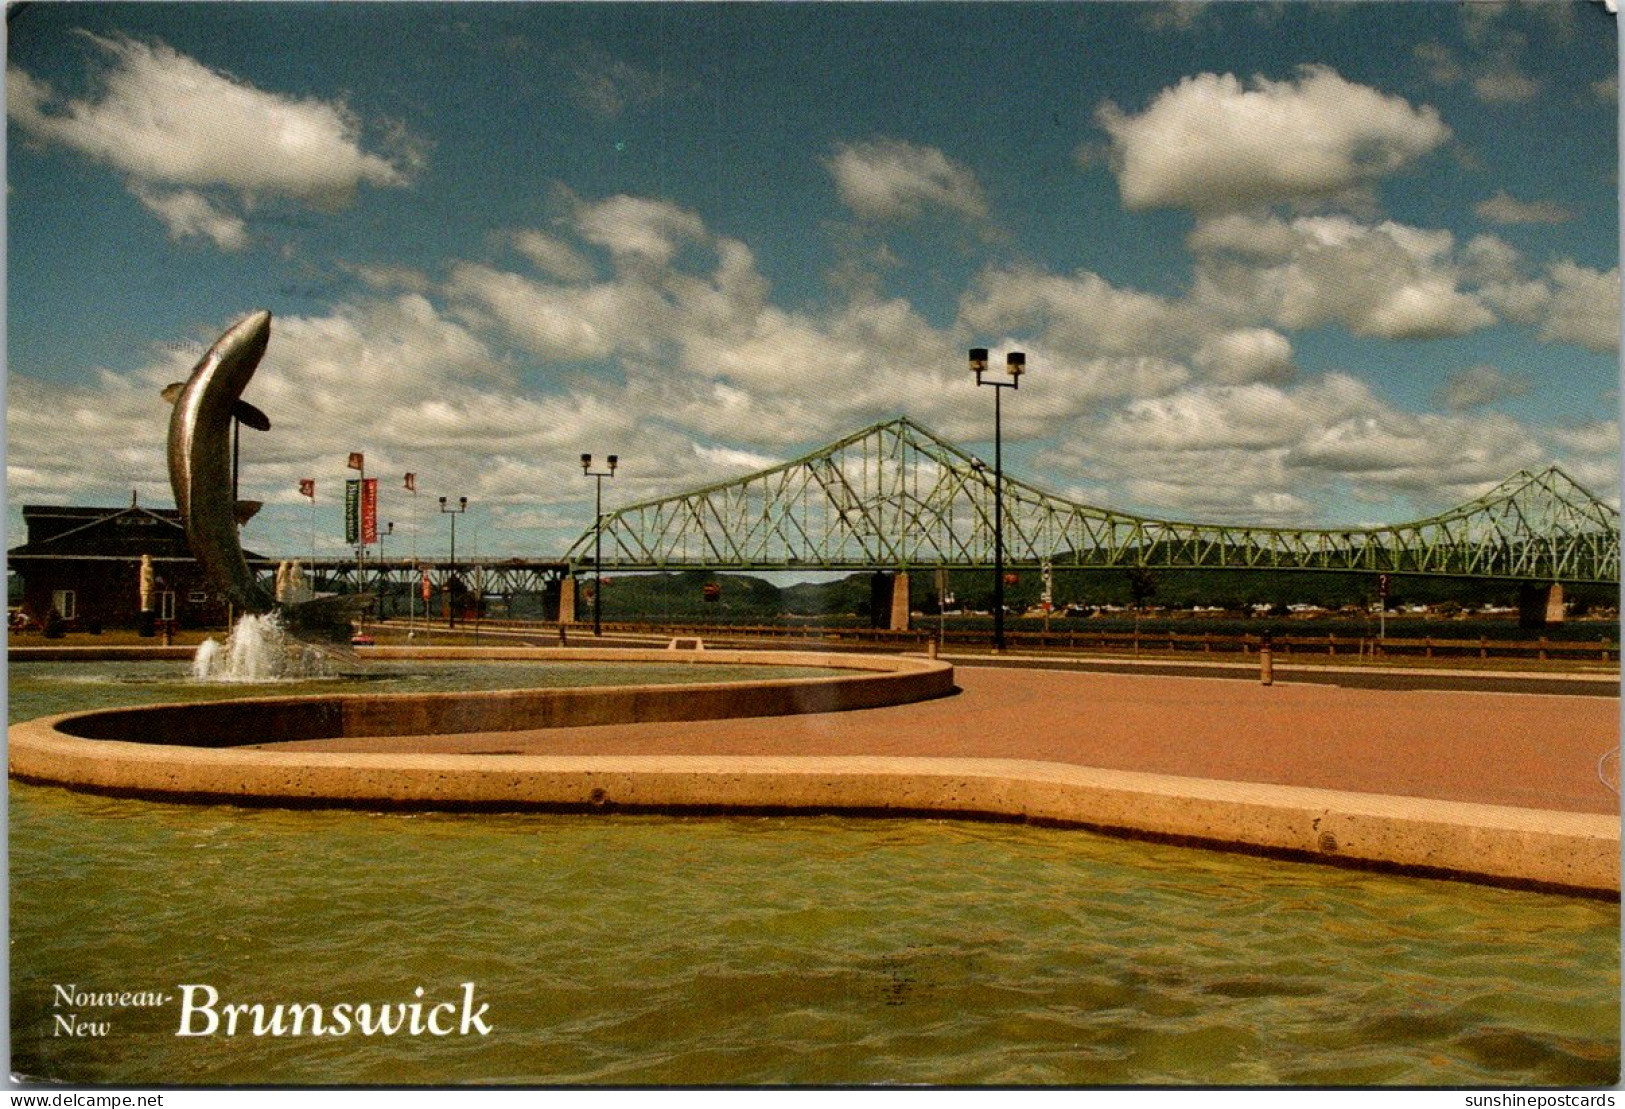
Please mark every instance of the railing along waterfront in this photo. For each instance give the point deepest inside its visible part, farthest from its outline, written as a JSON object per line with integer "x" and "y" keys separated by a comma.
{"x": 1306, "y": 646}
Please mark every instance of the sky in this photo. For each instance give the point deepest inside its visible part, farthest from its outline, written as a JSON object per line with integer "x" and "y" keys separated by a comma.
{"x": 1292, "y": 264}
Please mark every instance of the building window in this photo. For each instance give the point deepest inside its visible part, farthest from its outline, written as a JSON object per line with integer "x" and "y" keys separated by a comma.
{"x": 197, "y": 597}
{"x": 166, "y": 605}
{"x": 63, "y": 600}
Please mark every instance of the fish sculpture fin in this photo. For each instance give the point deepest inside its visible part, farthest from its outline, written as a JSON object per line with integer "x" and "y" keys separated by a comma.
{"x": 241, "y": 410}
{"x": 246, "y": 413}
{"x": 327, "y": 622}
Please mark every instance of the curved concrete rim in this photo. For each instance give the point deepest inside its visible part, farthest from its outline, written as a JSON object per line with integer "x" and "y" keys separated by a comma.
{"x": 860, "y": 682}
{"x": 1559, "y": 851}
{"x": 1564, "y": 851}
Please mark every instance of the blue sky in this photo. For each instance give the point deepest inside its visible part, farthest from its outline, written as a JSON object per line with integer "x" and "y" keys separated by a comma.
{"x": 1296, "y": 264}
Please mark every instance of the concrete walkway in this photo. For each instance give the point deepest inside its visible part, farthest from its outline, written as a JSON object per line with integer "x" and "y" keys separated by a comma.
{"x": 1509, "y": 749}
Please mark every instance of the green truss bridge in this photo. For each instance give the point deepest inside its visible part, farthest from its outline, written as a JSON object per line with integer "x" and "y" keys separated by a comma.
{"x": 896, "y": 497}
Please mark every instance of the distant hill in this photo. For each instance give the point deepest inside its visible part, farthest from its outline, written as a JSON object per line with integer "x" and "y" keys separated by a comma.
{"x": 745, "y": 598}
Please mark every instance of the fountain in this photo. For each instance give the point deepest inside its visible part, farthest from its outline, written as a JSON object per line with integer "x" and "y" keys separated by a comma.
{"x": 259, "y": 649}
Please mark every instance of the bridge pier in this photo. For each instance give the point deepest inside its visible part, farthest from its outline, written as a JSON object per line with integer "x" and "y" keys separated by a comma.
{"x": 1539, "y": 605}
{"x": 899, "y": 602}
{"x": 888, "y": 601}
{"x": 567, "y": 599}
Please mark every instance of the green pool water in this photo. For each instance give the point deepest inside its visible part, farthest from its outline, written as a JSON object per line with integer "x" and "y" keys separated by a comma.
{"x": 619, "y": 949}
{"x": 43, "y": 688}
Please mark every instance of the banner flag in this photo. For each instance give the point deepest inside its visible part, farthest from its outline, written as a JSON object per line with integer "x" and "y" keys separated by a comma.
{"x": 411, "y": 483}
{"x": 307, "y": 487}
{"x": 357, "y": 461}
{"x": 369, "y": 510}
{"x": 352, "y": 511}
{"x": 425, "y": 586}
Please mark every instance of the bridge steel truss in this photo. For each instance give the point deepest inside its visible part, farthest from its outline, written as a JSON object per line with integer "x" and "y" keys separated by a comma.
{"x": 894, "y": 496}
{"x": 497, "y": 577}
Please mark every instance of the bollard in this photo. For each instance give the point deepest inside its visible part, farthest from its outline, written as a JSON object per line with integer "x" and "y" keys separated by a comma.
{"x": 1266, "y": 666}
{"x": 931, "y": 647}
{"x": 563, "y": 639}
{"x": 169, "y": 633}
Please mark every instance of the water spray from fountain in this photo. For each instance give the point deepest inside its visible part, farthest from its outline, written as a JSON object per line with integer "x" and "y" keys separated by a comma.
{"x": 259, "y": 649}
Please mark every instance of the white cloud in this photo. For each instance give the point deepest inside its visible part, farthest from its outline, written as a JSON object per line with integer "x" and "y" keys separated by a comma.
{"x": 165, "y": 118}
{"x": 1252, "y": 416}
{"x": 1487, "y": 259}
{"x": 783, "y": 377}
{"x": 554, "y": 256}
{"x": 1213, "y": 143}
{"x": 885, "y": 179}
{"x": 1569, "y": 303}
{"x": 1504, "y": 208}
{"x": 635, "y": 227}
{"x": 1584, "y": 308}
{"x": 1270, "y": 454}
{"x": 175, "y": 128}
{"x": 566, "y": 322}
{"x": 1191, "y": 404}
{"x": 1599, "y": 437}
{"x": 435, "y": 398}
{"x": 398, "y": 349}
{"x": 1082, "y": 312}
{"x": 1440, "y": 61}
{"x": 1477, "y": 386}
{"x": 1174, "y": 15}
{"x": 1246, "y": 355}
{"x": 1401, "y": 451}
{"x": 1385, "y": 281}
{"x": 650, "y": 307}
{"x": 697, "y": 340}
{"x": 188, "y": 214}
{"x": 1505, "y": 84}
{"x": 1492, "y": 63}
{"x": 1264, "y": 239}
{"x": 384, "y": 278}
{"x": 48, "y": 426}
{"x": 609, "y": 87}
{"x": 1589, "y": 453}
{"x": 730, "y": 458}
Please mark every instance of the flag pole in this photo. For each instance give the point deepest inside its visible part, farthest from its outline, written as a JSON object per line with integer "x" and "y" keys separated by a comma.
{"x": 307, "y": 489}
{"x": 412, "y": 593}
{"x": 361, "y": 531}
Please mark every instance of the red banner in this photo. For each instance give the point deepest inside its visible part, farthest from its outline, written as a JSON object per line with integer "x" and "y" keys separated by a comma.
{"x": 369, "y": 510}
{"x": 357, "y": 461}
{"x": 425, "y": 587}
{"x": 307, "y": 487}
{"x": 411, "y": 483}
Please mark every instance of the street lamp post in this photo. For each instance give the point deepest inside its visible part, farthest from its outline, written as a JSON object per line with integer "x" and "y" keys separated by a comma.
{"x": 1016, "y": 365}
{"x": 451, "y": 602}
{"x": 383, "y": 567}
{"x": 598, "y": 539}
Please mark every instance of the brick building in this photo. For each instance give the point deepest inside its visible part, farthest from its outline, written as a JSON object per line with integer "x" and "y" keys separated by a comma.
{"x": 86, "y": 564}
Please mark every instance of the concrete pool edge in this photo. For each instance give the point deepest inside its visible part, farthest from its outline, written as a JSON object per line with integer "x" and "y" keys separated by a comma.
{"x": 1561, "y": 851}
{"x": 196, "y": 754}
{"x": 861, "y": 682}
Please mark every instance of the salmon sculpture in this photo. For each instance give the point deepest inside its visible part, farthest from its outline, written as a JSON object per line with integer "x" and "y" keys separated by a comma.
{"x": 200, "y": 472}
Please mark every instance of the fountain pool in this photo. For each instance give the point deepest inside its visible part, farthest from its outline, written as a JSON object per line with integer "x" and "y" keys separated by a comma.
{"x": 45, "y": 688}
{"x": 622, "y": 949}
{"x": 646, "y": 949}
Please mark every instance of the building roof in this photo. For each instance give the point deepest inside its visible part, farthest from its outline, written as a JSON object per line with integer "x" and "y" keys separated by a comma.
{"x": 68, "y": 531}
